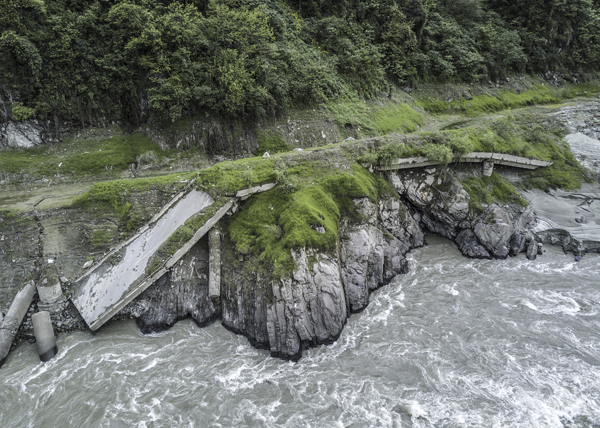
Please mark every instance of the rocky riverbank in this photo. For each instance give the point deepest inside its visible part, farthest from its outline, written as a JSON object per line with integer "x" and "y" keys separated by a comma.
{"x": 309, "y": 304}
{"x": 572, "y": 219}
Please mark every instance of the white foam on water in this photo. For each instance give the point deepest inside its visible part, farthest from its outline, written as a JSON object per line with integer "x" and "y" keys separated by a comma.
{"x": 551, "y": 302}
{"x": 450, "y": 289}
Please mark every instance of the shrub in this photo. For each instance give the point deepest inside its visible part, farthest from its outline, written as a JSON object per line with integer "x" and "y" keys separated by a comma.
{"x": 437, "y": 152}
{"x": 461, "y": 145}
{"x": 20, "y": 112}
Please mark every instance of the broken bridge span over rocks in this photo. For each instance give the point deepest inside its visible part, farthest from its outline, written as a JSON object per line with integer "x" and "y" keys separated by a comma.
{"x": 488, "y": 159}
{"x": 117, "y": 279}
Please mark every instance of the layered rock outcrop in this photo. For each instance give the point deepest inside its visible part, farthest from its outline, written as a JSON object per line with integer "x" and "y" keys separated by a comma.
{"x": 441, "y": 204}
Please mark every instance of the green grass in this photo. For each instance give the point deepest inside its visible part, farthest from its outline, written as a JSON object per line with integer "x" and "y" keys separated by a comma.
{"x": 100, "y": 239}
{"x": 481, "y": 104}
{"x": 14, "y": 218}
{"x": 226, "y": 178}
{"x": 506, "y": 99}
{"x": 271, "y": 224}
{"x": 106, "y": 157}
{"x": 366, "y": 119}
{"x": 580, "y": 90}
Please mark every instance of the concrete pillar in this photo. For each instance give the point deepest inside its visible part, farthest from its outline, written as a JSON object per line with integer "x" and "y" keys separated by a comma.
{"x": 14, "y": 318}
{"x": 214, "y": 263}
{"x": 44, "y": 335}
{"x": 488, "y": 168}
{"x": 49, "y": 294}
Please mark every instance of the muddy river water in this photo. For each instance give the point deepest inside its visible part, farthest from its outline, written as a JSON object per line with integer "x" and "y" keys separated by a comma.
{"x": 454, "y": 343}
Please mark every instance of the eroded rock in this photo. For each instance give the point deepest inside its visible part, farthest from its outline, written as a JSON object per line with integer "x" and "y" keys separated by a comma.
{"x": 469, "y": 245}
{"x": 441, "y": 199}
{"x": 181, "y": 293}
{"x": 494, "y": 229}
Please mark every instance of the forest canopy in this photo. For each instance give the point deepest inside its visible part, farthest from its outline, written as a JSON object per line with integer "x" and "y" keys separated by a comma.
{"x": 90, "y": 61}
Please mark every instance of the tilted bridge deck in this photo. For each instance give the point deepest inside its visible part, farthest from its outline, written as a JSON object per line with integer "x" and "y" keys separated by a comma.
{"x": 109, "y": 286}
{"x": 496, "y": 158}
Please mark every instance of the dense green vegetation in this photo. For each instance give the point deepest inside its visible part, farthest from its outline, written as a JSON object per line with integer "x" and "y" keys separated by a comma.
{"x": 271, "y": 224}
{"x": 96, "y": 61}
{"x": 370, "y": 120}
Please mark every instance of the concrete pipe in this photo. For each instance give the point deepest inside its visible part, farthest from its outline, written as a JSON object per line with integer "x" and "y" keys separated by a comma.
{"x": 44, "y": 335}
{"x": 14, "y": 318}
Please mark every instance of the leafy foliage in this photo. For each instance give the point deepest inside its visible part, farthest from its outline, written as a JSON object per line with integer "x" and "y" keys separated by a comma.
{"x": 96, "y": 61}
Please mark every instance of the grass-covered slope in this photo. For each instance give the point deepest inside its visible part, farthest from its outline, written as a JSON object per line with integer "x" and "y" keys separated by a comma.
{"x": 271, "y": 224}
{"x": 91, "y": 157}
{"x": 492, "y": 100}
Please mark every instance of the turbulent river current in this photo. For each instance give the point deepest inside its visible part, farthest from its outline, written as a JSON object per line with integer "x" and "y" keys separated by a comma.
{"x": 454, "y": 343}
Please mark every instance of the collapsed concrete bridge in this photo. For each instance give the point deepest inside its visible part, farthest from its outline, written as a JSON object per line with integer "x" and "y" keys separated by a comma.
{"x": 488, "y": 159}
{"x": 123, "y": 274}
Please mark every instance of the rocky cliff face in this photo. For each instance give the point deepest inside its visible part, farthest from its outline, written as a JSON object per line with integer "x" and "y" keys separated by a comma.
{"x": 441, "y": 205}
{"x": 310, "y": 306}
{"x": 180, "y": 293}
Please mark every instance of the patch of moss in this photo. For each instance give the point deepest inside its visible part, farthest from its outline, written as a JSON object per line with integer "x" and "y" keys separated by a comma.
{"x": 226, "y": 178}
{"x": 14, "y": 218}
{"x": 113, "y": 197}
{"x": 111, "y": 194}
{"x": 270, "y": 224}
